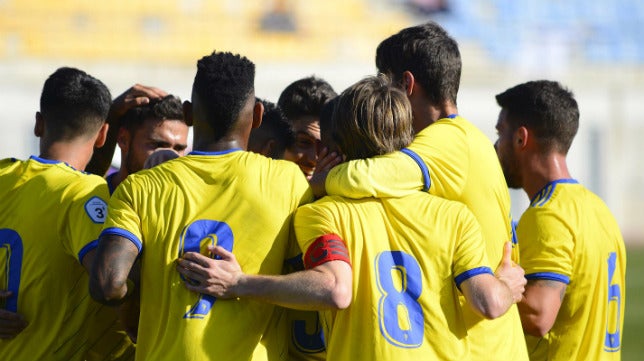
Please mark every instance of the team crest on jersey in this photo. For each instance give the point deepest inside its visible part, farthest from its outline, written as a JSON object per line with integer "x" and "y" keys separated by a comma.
{"x": 96, "y": 209}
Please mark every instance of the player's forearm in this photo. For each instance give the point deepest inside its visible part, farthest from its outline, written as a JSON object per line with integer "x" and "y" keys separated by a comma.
{"x": 108, "y": 282}
{"x": 540, "y": 305}
{"x": 493, "y": 299}
{"x": 305, "y": 290}
{"x": 391, "y": 175}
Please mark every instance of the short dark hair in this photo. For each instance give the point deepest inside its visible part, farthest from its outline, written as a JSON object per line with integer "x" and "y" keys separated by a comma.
{"x": 305, "y": 97}
{"x": 429, "y": 53}
{"x": 372, "y": 117}
{"x": 546, "y": 108}
{"x": 274, "y": 126}
{"x": 166, "y": 108}
{"x": 223, "y": 84}
{"x": 74, "y": 104}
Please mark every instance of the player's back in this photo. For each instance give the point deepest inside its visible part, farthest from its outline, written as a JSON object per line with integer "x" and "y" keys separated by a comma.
{"x": 238, "y": 200}
{"x": 464, "y": 167}
{"x": 589, "y": 322}
{"x": 405, "y": 253}
{"x": 49, "y": 213}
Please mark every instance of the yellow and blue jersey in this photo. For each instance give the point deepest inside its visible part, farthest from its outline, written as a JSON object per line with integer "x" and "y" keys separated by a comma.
{"x": 51, "y": 215}
{"x": 239, "y": 200}
{"x": 457, "y": 162}
{"x": 569, "y": 235}
{"x": 409, "y": 255}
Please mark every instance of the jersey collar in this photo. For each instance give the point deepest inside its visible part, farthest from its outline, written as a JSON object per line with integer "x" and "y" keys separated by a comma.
{"x": 547, "y": 190}
{"x": 44, "y": 161}
{"x": 221, "y": 152}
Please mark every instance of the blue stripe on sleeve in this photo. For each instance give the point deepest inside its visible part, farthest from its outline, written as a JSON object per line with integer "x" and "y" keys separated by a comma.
{"x": 88, "y": 247}
{"x": 427, "y": 182}
{"x": 548, "y": 276}
{"x": 123, "y": 233}
{"x": 471, "y": 273}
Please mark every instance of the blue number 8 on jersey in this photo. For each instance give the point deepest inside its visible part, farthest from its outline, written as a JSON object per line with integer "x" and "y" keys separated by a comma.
{"x": 400, "y": 315}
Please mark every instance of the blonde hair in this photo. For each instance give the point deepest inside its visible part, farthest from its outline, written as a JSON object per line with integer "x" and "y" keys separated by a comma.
{"x": 372, "y": 117}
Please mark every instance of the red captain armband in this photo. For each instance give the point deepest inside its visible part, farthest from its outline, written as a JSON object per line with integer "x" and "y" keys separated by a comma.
{"x": 329, "y": 247}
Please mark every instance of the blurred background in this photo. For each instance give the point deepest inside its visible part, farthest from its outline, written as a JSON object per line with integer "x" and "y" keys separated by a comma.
{"x": 594, "y": 47}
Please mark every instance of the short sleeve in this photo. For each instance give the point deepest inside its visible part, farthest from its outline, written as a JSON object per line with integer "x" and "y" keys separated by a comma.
{"x": 470, "y": 258}
{"x": 546, "y": 244}
{"x": 123, "y": 217}
{"x": 312, "y": 221}
{"x": 86, "y": 215}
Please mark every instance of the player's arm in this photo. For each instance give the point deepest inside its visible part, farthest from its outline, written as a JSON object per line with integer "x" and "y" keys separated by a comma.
{"x": 391, "y": 175}
{"x": 11, "y": 323}
{"x": 115, "y": 256}
{"x": 136, "y": 95}
{"x": 540, "y": 305}
{"x": 326, "y": 284}
{"x": 492, "y": 295}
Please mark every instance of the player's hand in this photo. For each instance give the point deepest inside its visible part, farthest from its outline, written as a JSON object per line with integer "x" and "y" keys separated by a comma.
{"x": 326, "y": 161}
{"x": 11, "y": 323}
{"x": 511, "y": 274}
{"x": 136, "y": 95}
{"x": 215, "y": 277}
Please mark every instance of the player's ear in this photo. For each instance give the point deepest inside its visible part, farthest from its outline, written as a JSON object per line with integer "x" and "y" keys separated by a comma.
{"x": 187, "y": 112}
{"x": 521, "y": 136}
{"x": 258, "y": 113}
{"x": 408, "y": 81}
{"x": 39, "y": 127}
{"x": 102, "y": 136}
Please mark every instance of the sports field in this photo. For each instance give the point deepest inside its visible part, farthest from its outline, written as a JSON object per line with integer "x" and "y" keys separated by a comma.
{"x": 633, "y": 339}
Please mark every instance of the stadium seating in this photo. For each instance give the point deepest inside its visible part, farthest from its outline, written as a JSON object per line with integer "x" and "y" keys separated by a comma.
{"x": 593, "y": 31}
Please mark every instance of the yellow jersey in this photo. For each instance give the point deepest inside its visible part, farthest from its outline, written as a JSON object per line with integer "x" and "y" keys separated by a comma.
{"x": 457, "y": 162}
{"x": 569, "y": 235}
{"x": 51, "y": 216}
{"x": 409, "y": 255}
{"x": 239, "y": 200}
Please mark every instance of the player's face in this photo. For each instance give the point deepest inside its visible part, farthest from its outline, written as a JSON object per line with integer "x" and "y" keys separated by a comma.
{"x": 153, "y": 135}
{"x": 304, "y": 151}
{"x": 505, "y": 152}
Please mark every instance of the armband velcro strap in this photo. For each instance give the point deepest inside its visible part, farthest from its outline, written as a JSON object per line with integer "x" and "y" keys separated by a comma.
{"x": 329, "y": 247}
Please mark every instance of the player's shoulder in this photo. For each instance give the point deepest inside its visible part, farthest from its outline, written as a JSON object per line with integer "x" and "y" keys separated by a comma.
{"x": 7, "y": 165}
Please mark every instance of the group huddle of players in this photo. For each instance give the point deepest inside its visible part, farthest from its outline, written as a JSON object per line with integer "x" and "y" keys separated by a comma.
{"x": 373, "y": 224}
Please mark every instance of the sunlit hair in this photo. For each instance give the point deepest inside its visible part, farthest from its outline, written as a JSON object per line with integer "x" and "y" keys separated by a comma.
{"x": 73, "y": 104}
{"x": 167, "y": 108}
{"x": 305, "y": 97}
{"x": 546, "y": 108}
{"x": 372, "y": 117}
{"x": 430, "y": 54}
{"x": 222, "y": 85}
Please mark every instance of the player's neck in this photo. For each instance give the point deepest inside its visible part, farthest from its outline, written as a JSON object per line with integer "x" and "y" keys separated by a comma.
{"x": 221, "y": 145}
{"x": 543, "y": 170}
{"x": 74, "y": 154}
{"x": 429, "y": 113}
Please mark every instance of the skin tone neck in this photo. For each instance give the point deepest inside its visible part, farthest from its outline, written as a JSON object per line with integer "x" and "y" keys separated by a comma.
{"x": 543, "y": 169}
{"x": 76, "y": 152}
{"x": 537, "y": 168}
{"x": 425, "y": 112}
{"x": 249, "y": 117}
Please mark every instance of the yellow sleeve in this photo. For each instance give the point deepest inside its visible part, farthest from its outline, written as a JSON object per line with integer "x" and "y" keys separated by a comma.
{"x": 391, "y": 175}
{"x": 122, "y": 216}
{"x": 86, "y": 215}
{"x": 469, "y": 253}
{"x": 547, "y": 246}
